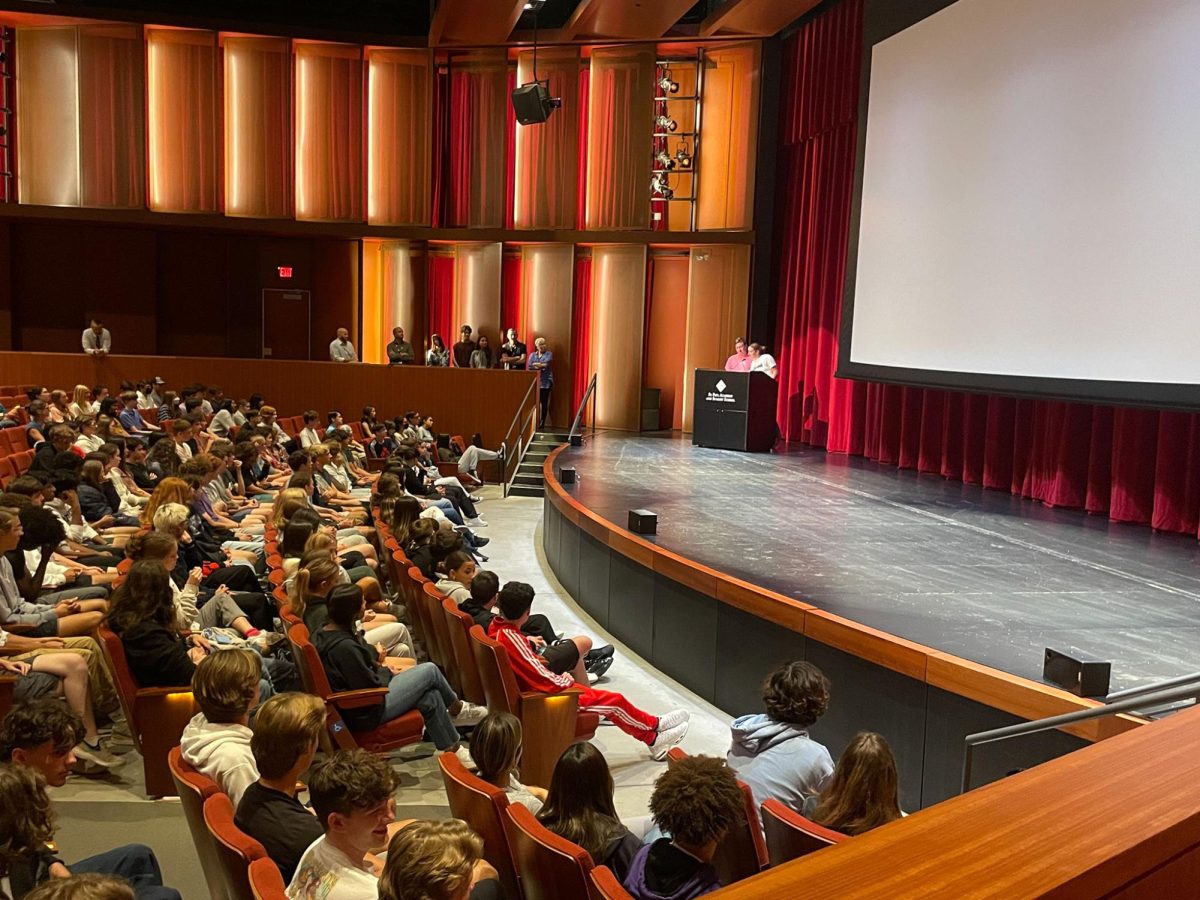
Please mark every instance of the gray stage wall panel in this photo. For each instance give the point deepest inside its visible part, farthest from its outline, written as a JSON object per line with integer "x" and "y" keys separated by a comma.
{"x": 723, "y": 654}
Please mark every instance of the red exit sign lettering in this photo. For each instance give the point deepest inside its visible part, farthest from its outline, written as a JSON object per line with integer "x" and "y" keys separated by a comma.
{"x": 284, "y": 271}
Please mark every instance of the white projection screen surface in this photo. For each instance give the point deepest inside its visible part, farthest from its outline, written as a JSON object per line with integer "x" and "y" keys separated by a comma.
{"x": 1029, "y": 214}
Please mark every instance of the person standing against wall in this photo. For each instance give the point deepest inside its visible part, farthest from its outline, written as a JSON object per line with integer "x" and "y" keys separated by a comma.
{"x": 340, "y": 349}
{"x": 96, "y": 339}
{"x": 541, "y": 360}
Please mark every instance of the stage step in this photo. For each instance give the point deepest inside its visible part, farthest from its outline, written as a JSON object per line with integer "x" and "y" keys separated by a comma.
{"x": 529, "y": 481}
{"x": 525, "y": 490}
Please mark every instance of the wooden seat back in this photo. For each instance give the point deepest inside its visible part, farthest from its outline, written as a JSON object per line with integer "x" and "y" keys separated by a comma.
{"x": 481, "y": 805}
{"x": 790, "y": 835}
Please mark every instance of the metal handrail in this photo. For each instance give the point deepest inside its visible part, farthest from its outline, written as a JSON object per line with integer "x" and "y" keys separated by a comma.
{"x": 521, "y": 448}
{"x": 1187, "y": 691}
{"x": 508, "y": 435}
{"x": 1151, "y": 688}
{"x": 588, "y": 394}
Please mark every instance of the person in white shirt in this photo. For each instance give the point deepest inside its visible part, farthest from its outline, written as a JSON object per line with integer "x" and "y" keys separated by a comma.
{"x": 310, "y": 435}
{"x": 761, "y": 361}
{"x": 340, "y": 349}
{"x": 88, "y": 441}
{"x": 96, "y": 339}
{"x": 216, "y": 741}
{"x": 351, "y": 793}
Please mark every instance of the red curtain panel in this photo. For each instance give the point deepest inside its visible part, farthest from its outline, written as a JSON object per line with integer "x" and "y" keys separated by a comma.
{"x": 441, "y": 144}
{"x": 581, "y": 198}
{"x": 1132, "y": 465}
{"x": 510, "y": 300}
{"x": 581, "y": 330}
{"x": 441, "y": 297}
{"x": 510, "y": 154}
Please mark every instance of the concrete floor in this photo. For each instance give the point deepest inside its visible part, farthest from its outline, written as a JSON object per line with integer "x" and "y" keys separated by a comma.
{"x": 95, "y": 814}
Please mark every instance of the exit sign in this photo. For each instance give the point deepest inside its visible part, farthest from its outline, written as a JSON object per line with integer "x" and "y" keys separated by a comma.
{"x": 284, "y": 271}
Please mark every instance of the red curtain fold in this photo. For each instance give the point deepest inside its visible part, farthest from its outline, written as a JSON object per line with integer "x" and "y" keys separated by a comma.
{"x": 1133, "y": 465}
{"x": 585, "y": 76}
{"x": 510, "y": 297}
{"x": 510, "y": 155}
{"x": 581, "y": 330}
{"x": 441, "y": 297}
{"x": 459, "y": 152}
{"x": 441, "y": 145}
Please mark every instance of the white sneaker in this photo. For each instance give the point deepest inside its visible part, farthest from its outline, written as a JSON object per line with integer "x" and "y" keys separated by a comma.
{"x": 476, "y": 522}
{"x": 464, "y": 757}
{"x": 470, "y": 714}
{"x": 666, "y": 740}
{"x": 98, "y": 756}
{"x": 672, "y": 719}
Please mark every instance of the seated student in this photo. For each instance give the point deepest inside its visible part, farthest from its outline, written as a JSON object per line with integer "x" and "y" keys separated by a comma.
{"x": 580, "y": 808}
{"x": 351, "y": 794}
{"x": 171, "y": 519}
{"x": 381, "y": 446}
{"x": 697, "y": 800}
{"x": 562, "y": 668}
{"x": 437, "y": 861}
{"x": 62, "y": 617}
{"x": 310, "y": 435}
{"x": 84, "y": 886}
{"x": 417, "y": 483}
{"x": 287, "y": 731}
{"x": 97, "y": 496}
{"x": 316, "y": 576}
{"x": 142, "y": 614}
{"x": 496, "y": 750}
{"x": 352, "y": 665}
{"x": 216, "y": 742}
{"x": 773, "y": 752}
{"x": 38, "y": 425}
{"x": 56, "y": 575}
{"x": 864, "y": 791}
{"x": 41, "y": 673}
{"x": 39, "y": 737}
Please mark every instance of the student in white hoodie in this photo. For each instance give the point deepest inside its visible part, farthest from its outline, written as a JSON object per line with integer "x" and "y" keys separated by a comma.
{"x": 216, "y": 741}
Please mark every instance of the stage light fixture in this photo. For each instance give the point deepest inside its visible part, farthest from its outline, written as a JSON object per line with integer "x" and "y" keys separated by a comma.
{"x": 660, "y": 189}
{"x": 667, "y": 85}
{"x": 665, "y": 123}
{"x": 531, "y": 101}
{"x": 663, "y": 160}
{"x": 684, "y": 158}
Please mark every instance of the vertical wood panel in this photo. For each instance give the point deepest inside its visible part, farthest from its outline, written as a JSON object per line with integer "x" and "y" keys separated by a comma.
{"x": 477, "y": 291}
{"x": 547, "y": 282}
{"x": 718, "y": 298}
{"x": 618, "y": 309}
{"x": 666, "y": 337}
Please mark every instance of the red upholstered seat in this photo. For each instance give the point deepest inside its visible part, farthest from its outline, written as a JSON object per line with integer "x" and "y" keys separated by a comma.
{"x": 265, "y": 881}
{"x": 458, "y": 632}
{"x": 235, "y": 849}
{"x": 605, "y": 886}
{"x": 194, "y": 789}
{"x": 443, "y": 652}
{"x": 551, "y": 722}
{"x": 406, "y": 729}
{"x": 481, "y": 805}
{"x": 156, "y": 715}
{"x": 790, "y": 835}
{"x": 550, "y": 867}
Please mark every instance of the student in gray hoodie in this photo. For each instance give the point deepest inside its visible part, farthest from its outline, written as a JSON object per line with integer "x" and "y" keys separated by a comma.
{"x": 773, "y": 752}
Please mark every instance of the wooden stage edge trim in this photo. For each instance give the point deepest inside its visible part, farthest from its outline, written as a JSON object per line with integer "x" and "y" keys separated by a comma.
{"x": 1000, "y": 690}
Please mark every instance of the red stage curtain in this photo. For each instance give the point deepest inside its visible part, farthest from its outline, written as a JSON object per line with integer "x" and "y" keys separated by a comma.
{"x": 585, "y": 76}
{"x": 510, "y": 154}
{"x": 1132, "y": 465}
{"x": 441, "y": 297}
{"x": 581, "y": 330}
{"x": 441, "y": 145}
{"x": 510, "y": 300}
{"x": 477, "y": 136}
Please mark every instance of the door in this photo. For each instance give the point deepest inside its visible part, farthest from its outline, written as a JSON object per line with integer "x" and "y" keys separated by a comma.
{"x": 285, "y": 324}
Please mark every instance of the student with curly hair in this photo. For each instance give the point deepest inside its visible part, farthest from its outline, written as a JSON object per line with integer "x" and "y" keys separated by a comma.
{"x": 696, "y": 801}
{"x": 773, "y": 752}
{"x": 864, "y": 792}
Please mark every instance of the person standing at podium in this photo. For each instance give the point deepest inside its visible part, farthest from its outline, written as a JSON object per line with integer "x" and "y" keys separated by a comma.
{"x": 740, "y": 361}
{"x": 761, "y": 361}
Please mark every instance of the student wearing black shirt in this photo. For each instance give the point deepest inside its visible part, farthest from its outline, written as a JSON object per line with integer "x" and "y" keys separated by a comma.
{"x": 287, "y": 729}
{"x": 464, "y": 348}
{"x": 512, "y": 351}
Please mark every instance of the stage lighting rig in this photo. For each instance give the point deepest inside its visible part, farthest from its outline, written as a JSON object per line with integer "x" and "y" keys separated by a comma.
{"x": 665, "y": 123}
{"x": 666, "y": 85}
{"x": 659, "y": 189}
{"x": 663, "y": 160}
{"x": 683, "y": 157}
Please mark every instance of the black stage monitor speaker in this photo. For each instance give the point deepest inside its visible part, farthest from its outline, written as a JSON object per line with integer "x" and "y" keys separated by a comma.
{"x": 532, "y": 103}
{"x": 1087, "y": 678}
{"x": 643, "y": 521}
{"x": 566, "y": 476}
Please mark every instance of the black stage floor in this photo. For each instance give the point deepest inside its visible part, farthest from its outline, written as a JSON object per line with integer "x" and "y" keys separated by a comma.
{"x": 980, "y": 574}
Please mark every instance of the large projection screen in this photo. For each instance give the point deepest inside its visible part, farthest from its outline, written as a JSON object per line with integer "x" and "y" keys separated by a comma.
{"x": 1027, "y": 203}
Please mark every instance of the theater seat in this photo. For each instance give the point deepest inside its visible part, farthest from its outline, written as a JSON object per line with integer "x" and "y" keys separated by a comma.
{"x": 605, "y": 886}
{"x": 23, "y": 461}
{"x": 550, "y": 867}
{"x": 551, "y": 722}
{"x": 458, "y": 631}
{"x": 235, "y": 849}
{"x": 481, "y": 805}
{"x": 156, "y": 715}
{"x": 8, "y": 471}
{"x": 791, "y": 835}
{"x": 742, "y": 852}
{"x": 443, "y": 652}
{"x": 265, "y": 881}
{"x": 407, "y": 729}
{"x": 12, "y": 440}
{"x": 415, "y": 599}
{"x": 193, "y": 789}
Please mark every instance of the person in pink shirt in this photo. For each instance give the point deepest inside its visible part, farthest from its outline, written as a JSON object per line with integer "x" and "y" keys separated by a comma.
{"x": 740, "y": 361}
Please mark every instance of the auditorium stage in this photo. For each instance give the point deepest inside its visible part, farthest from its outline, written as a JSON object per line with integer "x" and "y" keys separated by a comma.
{"x": 979, "y": 574}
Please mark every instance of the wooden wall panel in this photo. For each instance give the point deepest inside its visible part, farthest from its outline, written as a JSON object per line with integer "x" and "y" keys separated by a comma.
{"x": 476, "y": 291}
{"x": 618, "y": 309}
{"x": 335, "y": 291}
{"x": 664, "y": 354}
{"x": 6, "y": 329}
{"x": 718, "y": 299}
{"x": 547, "y": 281}
{"x": 461, "y": 400}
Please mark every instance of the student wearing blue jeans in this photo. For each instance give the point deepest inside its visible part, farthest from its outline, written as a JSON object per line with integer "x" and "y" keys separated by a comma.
{"x": 351, "y": 664}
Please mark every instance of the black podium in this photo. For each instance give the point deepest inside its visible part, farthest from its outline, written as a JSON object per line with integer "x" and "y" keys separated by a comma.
{"x": 734, "y": 410}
